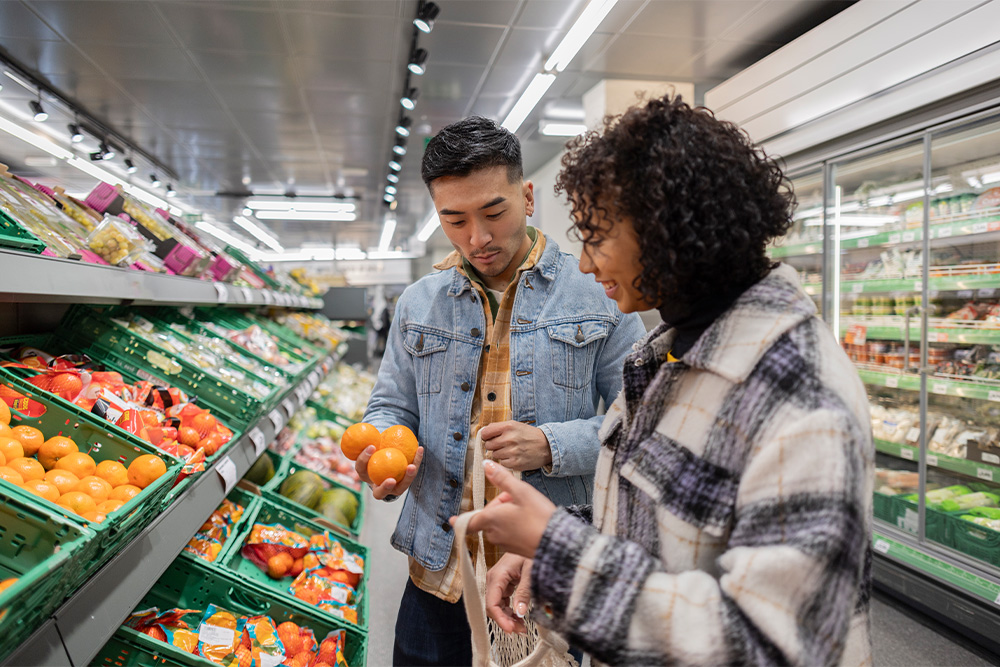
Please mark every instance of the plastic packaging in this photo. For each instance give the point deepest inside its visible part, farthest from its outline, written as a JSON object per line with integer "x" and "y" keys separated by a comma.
{"x": 115, "y": 241}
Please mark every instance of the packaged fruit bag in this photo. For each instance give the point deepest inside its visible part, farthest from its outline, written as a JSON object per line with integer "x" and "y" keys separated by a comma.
{"x": 275, "y": 549}
{"x": 219, "y": 633}
{"x": 207, "y": 543}
{"x": 169, "y": 626}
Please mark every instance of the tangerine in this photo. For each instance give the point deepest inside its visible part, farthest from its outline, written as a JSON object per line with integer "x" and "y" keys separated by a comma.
{"x": 149, "y": 417}
{"x": 401, "y": 438}
{"x": 125, "y": 492}
{"x": 78, "y": 463}
{"x": 28, "y": 468}
{"x": 389, "y": 463}
{"x": 95, "y": 487}
{"x": 279, "y": 564}
{"x": 145, "y": 470}
{"x": 4, "y": 413}
{"x": 113, "y": 472}
{"x": 6, "y": 430}
{"x": 11, "y": 475}
{"x": 40, "y": 487}
{"x": 11, "y": 447}
{"x": 357, "y": 438}
{"x": 64, "y": 480}
{"x": 30, "y": 438}
{"x": 3, "y": 460}
{"x": 188, "y": 436}
{"x": 288, "y": 633}
{"x": 7, "y": 583}
{"x": 78, "y": 503}
{"x": 204, "y": 424}
{"x": 109, "y": 506}
{"x": 211, "y": 443}
{"x": 54, "y": 449}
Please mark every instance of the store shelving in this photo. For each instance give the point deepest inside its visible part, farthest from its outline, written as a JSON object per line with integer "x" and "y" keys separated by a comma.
{"x": 37, "y": 279}
{"x": 984, "y": 390}
{"x": 84, "y": 622}
{"x": 953, "y": 464}
{"x": 939, "y": 330}
{"x": 950, "y": 279}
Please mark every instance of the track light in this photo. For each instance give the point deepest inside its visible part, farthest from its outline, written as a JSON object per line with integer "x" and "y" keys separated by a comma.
{"x": 130, "y": 166}
{"x": 392, "y": 178}
{"x": 389, "y": 198}
{"x": 38, "y": 112}
{"x": 97, "y": 156}
{"x": 75, "y": 133}
{"x": 400, "y": 147}
{"x": 417, "y": 61}
{"x": 395, "y": 166}
{"x": 409, "y": 100}
{"x": 170, "y": 190}
{"x": 403, "y": 127}
{"x": 426, "y": 14}
{"x": 154, "y": 180}
{"x": 109, "y": 153}
{"x": 391, "y": 189}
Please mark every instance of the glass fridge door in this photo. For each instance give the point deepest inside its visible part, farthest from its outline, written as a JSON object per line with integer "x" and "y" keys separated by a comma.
{"x": 802, "y": 247}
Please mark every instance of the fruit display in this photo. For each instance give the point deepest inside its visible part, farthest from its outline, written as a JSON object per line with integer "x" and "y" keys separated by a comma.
{"x": 258, "y": 342}
{"x": 317, "y": 449}
{"x": 208, "y": 542}
{"x": 117, "y": 243}
{"x": 320, "y": 495}
{"x": 345, "y": 391}
{"x": 314, "y": 327}
{"x": 224, "y": 350}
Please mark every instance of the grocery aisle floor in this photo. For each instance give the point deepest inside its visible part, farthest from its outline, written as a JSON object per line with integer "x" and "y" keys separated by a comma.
{"x": 901, "y": 637}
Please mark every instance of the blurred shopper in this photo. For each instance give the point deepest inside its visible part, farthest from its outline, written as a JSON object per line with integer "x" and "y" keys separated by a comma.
{"x": 507, "y": 339}
{"x": 732, "y": 511}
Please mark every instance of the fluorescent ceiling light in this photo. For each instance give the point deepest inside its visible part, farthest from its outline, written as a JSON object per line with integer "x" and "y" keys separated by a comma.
{"x": 908, "y": 195}
{"x": 529, "y": 98}
{"x": 225, "y": 236}
{"x": 351, "y": 253}
{"x": 286, "y": 205}
{"x": 388, "y": 229}
{"x": 30, "y": 137}
{"x": 578, "y": 35}
{"x": 390, "y": 254}
{"x": 316, "y": 216}
{"x": 258, "y": 232}
{"x": 551, "y": 129}
{"x": 878, "y": 202}
{"x": 432, "y": 223}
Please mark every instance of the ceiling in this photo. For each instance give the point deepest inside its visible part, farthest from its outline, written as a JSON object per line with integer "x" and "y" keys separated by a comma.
{"x": 303, "y": 95}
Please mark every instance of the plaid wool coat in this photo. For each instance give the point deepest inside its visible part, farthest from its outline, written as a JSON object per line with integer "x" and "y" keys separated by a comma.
{"x": 732, "y": 509}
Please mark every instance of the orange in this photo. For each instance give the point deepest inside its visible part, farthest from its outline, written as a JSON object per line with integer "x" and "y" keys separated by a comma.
{"x": 11, "y": 475}
{"x": 78, "y": 503}
{"x": 204, "y": 424}
{"x": 63, "y": 479}
{"x": 7, "y": 583}
{"x": 113, "y": 472}
{"x": 4, "y": 413}
{"x": 40, "y": 487}
{"x": 5, "y": 429}
{"x": 386, "y": 463}
{"x": 27, "y": 468}
{"x": 188, "y": 436}
{"x": 96, "y": 515}
{"x": 401, "y": 438}
{"x": 10, "y": 447}
{"x": 54, "y": 449}
{"x": 149, "y": 417}
{"x": 145, "y": 470}
{"x": 357, "y": 438}
{"x": 3, "y": 460}
{"x": 124, "y": 493}
{"x": 95, "y": 487}
{"x": 109, "y": 506}
{"x": 30, "y": 437}
{"x": 210, "y": 443}
{"x": 78, "y": 463}
{"x": 289, "y": 635}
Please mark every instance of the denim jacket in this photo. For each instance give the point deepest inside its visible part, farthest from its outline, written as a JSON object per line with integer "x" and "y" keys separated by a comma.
{"x": 567, "y": 342}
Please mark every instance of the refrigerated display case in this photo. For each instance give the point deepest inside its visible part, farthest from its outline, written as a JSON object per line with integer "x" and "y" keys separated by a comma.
{"x": 902, "y": 240}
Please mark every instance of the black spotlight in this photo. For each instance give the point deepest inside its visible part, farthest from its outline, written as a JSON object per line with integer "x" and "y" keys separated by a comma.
{"x": 108, "y": 151}
{"x": 75, "y": 133}
{"x": 426, "y": 14}
{"x": 38, "y": 113}
{"x": 403, "y": 127}
{"x": 409, "y": 100}
{"x": 130, "y": 166}
{"x": 154, "y": 180}
{"x": 417, "y": 61}
{"x": 400, "y": 147}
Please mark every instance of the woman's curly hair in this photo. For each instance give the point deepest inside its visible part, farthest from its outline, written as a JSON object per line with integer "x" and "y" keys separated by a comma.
{"x": 704, "y": 201}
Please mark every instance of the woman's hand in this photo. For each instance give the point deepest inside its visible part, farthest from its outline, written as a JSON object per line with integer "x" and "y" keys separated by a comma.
{"x": 516, "y": 519}
{"x": 508, "y": 592}
{"x": 389, "y": 486}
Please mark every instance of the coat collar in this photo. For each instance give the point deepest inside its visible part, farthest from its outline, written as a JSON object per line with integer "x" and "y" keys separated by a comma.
{"x": 547, "y": 267}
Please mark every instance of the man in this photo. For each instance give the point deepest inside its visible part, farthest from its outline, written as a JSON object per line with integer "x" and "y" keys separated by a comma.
{"x": 507, "y": 339}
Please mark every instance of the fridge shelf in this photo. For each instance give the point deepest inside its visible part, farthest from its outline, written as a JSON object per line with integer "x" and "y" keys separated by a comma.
{"x": 984, "y": 390}
{"x": 982, "y": 471}
{"x": 939, "y": 330}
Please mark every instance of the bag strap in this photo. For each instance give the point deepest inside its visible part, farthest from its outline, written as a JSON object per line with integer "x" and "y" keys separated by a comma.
{"x": 475, "y": 607}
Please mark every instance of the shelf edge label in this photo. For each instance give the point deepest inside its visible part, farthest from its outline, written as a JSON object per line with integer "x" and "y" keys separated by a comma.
{"x": 257, "y": 438}
{"x": 881, "y": 546}
{"x": 221, "y": 293}
{"x": 227, "y": 471}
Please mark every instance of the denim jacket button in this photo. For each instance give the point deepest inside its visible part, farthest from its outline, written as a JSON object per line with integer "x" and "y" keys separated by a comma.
{"x": 453, "y": 483}
{"x": 491, "y": 396}
{"x": 457, "y": 435}
{"x": 475, "y": 333}
{"x": 466, "y": 386}
{"x": 445, "y": 526}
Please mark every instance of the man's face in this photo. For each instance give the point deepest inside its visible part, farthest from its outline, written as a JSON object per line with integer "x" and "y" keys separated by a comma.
{"x": 485, "y": 218}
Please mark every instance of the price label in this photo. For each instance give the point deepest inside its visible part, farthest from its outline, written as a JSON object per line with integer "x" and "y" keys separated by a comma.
{"x": 987, "y": 292}
{"x": 215, "y": 635}
{"x": 857, "y": 288}
{"x": 862, "y": 243}
{"x": 881, "y": 546}
{"x": 965, "y": 294}
{"x": 932, "y": 459}
{"x": 997, "y": 600}
{"x": 892, "y": 382}
{"x": 895, "y": 238}
{"x": 268, "y": 296}
{"x": 944, "y": 232}
{"x": 939, "y": 388}
{"x": 221, "y": 292}
{"x": 288, "y": 406}
{"x": 247, "y": 295}
{"x": 918, "y": 285}
{"x": 906, "y": 453}
{"x": 984, "y": 473}
{"x": 277, "y": 420}
{"x": 227, "y": 471}
{"x": 909, "y": 236}
{"x": 994, "y": 396}
{"x": 980, "y": 228}
{"x": 257, "y": 438}
{"x": 992, "y": 459}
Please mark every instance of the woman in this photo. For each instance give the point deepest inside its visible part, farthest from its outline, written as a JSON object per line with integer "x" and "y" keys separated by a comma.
{"x": 731, "y": 517}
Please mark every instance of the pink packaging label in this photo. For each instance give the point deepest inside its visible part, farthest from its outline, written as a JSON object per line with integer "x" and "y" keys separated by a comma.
{"x": 91, "y": 257}
{"x": 49, "y": 253}
{"x": 101, "y": 196}
{"x": 180, "y": 258}
{"x": 45, "y": 189}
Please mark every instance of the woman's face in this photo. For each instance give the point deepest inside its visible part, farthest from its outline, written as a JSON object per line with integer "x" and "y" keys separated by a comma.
{"x": 612, "y": 255}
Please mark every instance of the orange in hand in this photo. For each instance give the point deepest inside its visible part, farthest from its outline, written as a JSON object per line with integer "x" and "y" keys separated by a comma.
{"x": 145, "y": 470}
{"x": 385, "y": 464}
{"x": 113, "y": 472}
{"x": 357, "y": 438}
{"x": 78, "y": 463}
{"x": 29, "y": 437}
{"x": 401, "y": 438}
{"x": 54, "y": 449}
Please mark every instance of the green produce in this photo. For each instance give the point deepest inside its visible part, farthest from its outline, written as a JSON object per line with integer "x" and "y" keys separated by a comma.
{"x": 338, "y": 505}
{"x": 303, "y": 487}
{"x": 261, "y": 472}
{"x": 940, "y": 495}
{"x": 969, "y": 501}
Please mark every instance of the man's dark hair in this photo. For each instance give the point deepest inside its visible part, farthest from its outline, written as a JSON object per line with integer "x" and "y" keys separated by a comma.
{"x": 704, "y": 201}
{"x": 470, "y": 145}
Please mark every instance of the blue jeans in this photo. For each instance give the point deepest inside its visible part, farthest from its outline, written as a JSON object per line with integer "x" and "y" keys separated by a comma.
{"x": 430, "y": 631}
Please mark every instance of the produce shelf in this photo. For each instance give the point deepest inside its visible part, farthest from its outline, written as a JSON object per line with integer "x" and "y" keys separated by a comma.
{"x": 79, "y": 628}
{"x": 984, "y": 390}
{"x": 975, "y": 469}
{"x": 956, "y": 227}
{"x": 939, "y": 330}
{"x": 38, "y": 279}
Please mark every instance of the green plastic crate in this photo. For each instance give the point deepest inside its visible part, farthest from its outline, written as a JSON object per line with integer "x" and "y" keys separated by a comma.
{"x": 323, "y": 412}
{"x": 191, "y": 584}
{"x": 251, "y": 265}
{"x": 13, "y": 235}
{"x": 301, "y": 438}
{"x": 144, "y": 359}
{"x": 41, "y": 550}
{"x": 287, "y": 341}
{"x": 103, "y": 441}
{"x": 249, "y": 499}
{"x": 285, "y": 333}
{"x": 901, "y": 513}
{"x": 974, "y": 540}
{"x": 268, "y": 512}
{"x": 272, "y": 488}
{"x": 123, "y": 650}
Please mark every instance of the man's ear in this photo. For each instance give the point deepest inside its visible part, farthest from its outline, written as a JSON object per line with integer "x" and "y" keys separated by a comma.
{"x": 529, "y": 198}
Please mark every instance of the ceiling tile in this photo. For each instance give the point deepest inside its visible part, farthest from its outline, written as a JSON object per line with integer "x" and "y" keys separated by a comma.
{"x": 694, "y": 19}
{"x": 244, "y": 67}
{"x": 162, "y": 63}
{"x": 104, "y": 21}
{"x": 476, "y": 12}
{"x": 285, "y": 98}
{"x": 225, "y": 28}
{"x": 17, "y": 21}
{"x": 550, "y": 15}
{"x": 635, "y": 56}
{"x": 383, "y": 8}
{"x": 319, "y": 74}
{"x": 337, "y": 37}
{"x": 462, "y": 45}
{"x": 527, "y": 48}
{"x": 325, "y": 102}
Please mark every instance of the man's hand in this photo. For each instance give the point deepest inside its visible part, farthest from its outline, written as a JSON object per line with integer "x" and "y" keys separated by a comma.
{"x": 508, "y": 592}
{"x": 516, "y": 519}
{"x": 517, "y": 446}
{"x": 389, "y": 486}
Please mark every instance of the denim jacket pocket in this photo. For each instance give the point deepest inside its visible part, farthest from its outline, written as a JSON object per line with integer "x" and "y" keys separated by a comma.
{"x": 429, "y": 350}
{"x": 574, "y": 351}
